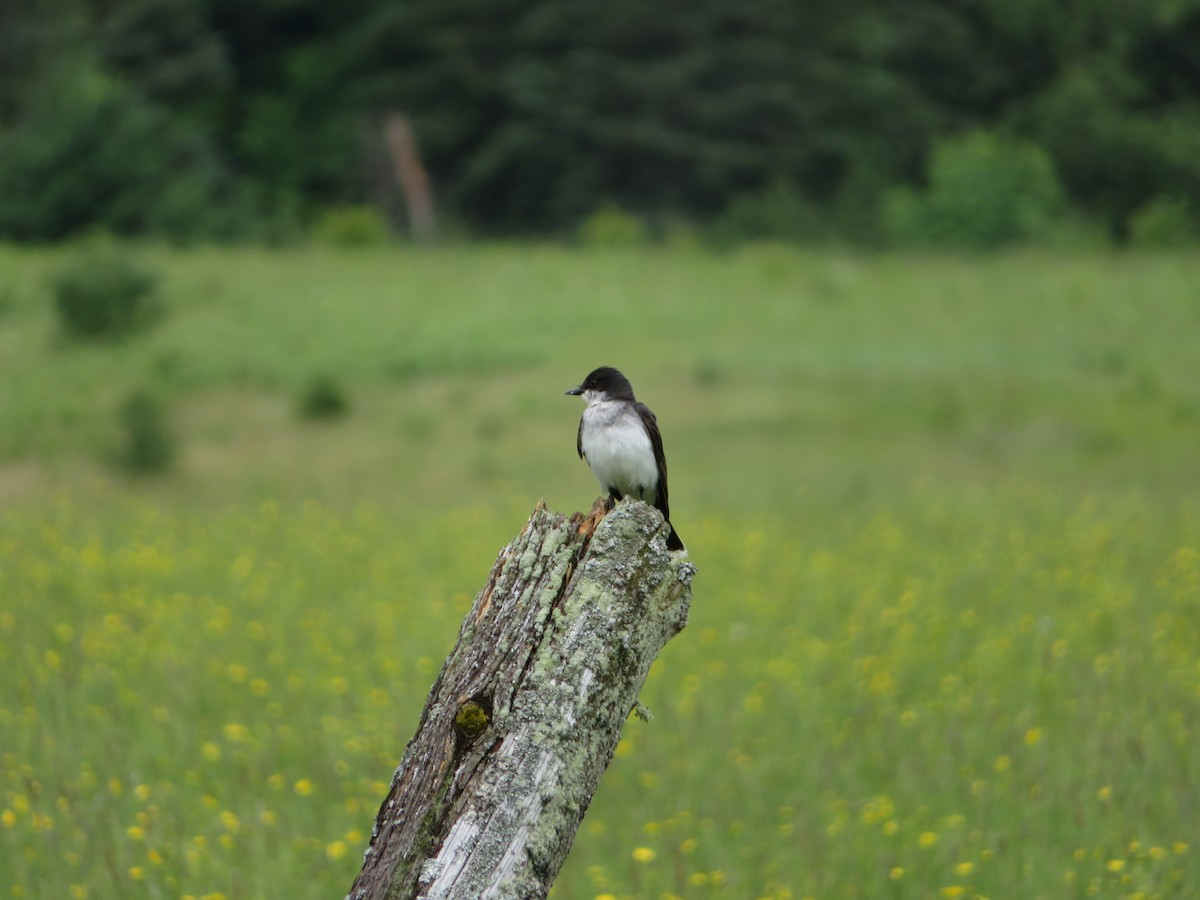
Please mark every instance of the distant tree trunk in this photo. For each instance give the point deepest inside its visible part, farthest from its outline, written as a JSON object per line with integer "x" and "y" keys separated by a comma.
{"x": 410, "y": 174}
{"x": 528, "y": 708}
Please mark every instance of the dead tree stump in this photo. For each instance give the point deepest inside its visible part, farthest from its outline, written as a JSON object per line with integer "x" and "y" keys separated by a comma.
{"x": 528, "y": 708}
{"x": 410, "y": 175}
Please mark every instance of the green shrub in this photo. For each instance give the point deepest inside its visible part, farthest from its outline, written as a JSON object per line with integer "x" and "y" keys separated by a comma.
{"x": 611, "y": 226}
{"x": 776, "y": 212}
{"x": 352, "y": 226}
{"x": 680, "y": 234}
{"x": 1114, "y": 147}
{"x": 104, "y": 294}
{"x": 1163, "y": 223}
{"x": 984, "y": 191}
{"x": 147, "y": 443}
{"x": 322, "y": 398}
{"x": 92, "y": 151}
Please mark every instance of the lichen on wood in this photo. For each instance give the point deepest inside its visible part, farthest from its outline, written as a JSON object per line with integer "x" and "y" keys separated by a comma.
{"x": 548, "y": 665}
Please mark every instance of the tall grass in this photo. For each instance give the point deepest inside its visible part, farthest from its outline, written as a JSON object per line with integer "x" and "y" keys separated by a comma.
{"x": 944, "y": 639}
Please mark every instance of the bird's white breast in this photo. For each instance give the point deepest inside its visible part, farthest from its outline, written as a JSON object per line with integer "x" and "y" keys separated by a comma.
{"x": 618, "y": 449}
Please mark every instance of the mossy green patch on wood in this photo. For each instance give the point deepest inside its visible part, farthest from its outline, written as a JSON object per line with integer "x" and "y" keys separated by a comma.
{"x": 470, "y": 721}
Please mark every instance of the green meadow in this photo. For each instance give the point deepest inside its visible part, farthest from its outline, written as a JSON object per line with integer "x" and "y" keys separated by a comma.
{"x": 945, "y": 635}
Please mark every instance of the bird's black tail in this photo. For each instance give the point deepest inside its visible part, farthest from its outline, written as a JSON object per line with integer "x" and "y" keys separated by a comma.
{"x": 673, "y": 541}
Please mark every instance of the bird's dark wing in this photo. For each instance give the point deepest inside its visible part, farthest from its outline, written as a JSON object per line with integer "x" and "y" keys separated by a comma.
{"x": 660, "y": 459}
{"x": 579, "y": 439}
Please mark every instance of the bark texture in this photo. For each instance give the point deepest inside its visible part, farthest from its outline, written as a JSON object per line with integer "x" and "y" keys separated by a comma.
{"x": 528, "y": 708}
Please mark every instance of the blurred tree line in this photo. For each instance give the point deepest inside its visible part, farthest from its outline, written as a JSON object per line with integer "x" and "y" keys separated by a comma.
{"x": 245, "y": 118}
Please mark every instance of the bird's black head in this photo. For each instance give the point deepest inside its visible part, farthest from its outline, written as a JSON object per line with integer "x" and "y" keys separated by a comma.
{"x": 604, "y": 382}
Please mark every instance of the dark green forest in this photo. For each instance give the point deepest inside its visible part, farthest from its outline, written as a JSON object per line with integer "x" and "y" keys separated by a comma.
{"x": 976, "y": 120}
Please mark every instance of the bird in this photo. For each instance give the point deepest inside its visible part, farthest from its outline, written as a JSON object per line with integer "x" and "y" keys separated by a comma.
{"x": 619, "y": 438}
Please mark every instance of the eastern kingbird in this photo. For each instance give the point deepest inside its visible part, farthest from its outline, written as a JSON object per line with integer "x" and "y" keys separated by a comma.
{"x": 619, "y": 438}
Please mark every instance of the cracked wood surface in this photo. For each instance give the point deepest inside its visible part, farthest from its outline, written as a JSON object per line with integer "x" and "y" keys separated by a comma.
{"x": 528, "y": 708}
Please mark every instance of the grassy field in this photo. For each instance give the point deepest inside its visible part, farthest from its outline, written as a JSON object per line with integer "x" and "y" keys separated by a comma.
{"x": 945, "y": 639}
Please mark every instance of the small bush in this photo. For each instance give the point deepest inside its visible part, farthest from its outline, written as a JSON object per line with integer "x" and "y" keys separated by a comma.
{"x": 611, "y": 226}
{"x": 104, "y": 295}
{"x": 322, "y": 398}
{"x": 94, "y": 151}
{"x": 352, "y": 226}
{"x": 148, "y": 445}
{"x": 679, "y": 234}
{"x": 1163, "y": 223}
{"x": 776, "y": 212}
{"x": 984, "y": 191}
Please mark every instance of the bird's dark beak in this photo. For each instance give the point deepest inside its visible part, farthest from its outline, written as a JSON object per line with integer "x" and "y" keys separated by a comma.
{"x": 575, "y": 392}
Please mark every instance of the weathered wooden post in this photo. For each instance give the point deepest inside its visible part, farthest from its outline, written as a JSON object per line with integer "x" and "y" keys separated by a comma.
{"x": 528, "y": 708}
{"x": 410, "y": 174}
